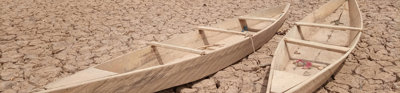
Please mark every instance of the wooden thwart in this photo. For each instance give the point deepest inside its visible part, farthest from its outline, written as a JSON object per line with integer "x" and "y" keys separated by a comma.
{"x": 300, "y": 32}
{"x": 243, "y": 25}
{"x": 328, "y": 26}
{"x": 204, "y": 37}
{"x": 256, "y": 18}
{"x": 243, "y": 22}
{"x": 158, "y": 56}
{"x": 179, "y": 48}
{"x": 317, "y": 45}
{"x": 220, "y": 30}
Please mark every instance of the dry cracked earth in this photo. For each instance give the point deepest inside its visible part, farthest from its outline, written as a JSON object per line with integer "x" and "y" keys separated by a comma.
{"x": 43, "y": 40}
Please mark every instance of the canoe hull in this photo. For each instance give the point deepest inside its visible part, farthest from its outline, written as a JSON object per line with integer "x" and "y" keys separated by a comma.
{"x": 157, "y": 78}
{"x": 313, "y": 82}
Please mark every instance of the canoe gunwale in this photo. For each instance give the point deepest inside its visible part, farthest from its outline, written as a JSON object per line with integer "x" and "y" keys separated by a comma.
{"x": 280, "y": 19}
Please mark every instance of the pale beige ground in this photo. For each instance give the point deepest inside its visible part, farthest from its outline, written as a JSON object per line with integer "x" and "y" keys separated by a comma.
{"x": 41, "y": 41}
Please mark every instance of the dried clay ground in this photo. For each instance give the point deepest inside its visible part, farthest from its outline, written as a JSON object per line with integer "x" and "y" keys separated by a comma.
{"x": 43, "y": 40}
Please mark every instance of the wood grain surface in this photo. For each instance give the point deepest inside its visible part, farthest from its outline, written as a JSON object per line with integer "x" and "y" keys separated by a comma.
{"x": 140, "y": 71}
{"x": 325, "y": 38}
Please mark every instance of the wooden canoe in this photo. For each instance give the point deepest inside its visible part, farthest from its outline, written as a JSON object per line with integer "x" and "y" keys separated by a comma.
{"x": 311, "y": 52}
{"x": 179, "y": 60}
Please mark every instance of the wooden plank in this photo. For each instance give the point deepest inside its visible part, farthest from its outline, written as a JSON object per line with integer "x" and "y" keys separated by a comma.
{"x": 179, "y": 48}
{"x": 317, "y": 45}
{"x": 300, "y": 32}
{"x": 243, "y": 24}
{"x": 220, "y": 30}
{"x": 245, "y": 27}
{"x": 256, "y": 18}
{"x": 157, "y": 54}
{"x": 328, "y": 26}
{"x": 203, "y": 37}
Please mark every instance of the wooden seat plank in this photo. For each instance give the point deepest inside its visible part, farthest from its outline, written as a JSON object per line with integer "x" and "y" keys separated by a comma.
{"x": 328, "y": 26}
{"x": 179, "y": 48}
{"x": 317, "y": 45}
{"x": 220, "y": 30}
{"x": 256, "y": 18}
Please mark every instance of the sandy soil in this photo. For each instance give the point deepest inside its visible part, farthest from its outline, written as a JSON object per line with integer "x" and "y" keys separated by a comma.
{"x": 41, "y": 41}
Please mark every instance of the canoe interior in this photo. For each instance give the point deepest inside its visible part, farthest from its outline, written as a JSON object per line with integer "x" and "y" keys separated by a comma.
{"x": 146, "y": 58}
{"x": 285, "y": 75}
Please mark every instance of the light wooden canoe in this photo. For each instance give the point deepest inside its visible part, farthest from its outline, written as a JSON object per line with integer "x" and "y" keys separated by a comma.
{"x": 179, "y": 60}
{"x": 318, "y": 39}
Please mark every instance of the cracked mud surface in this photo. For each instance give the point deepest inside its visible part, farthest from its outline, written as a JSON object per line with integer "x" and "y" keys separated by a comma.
{"x": 41, "y": 41}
